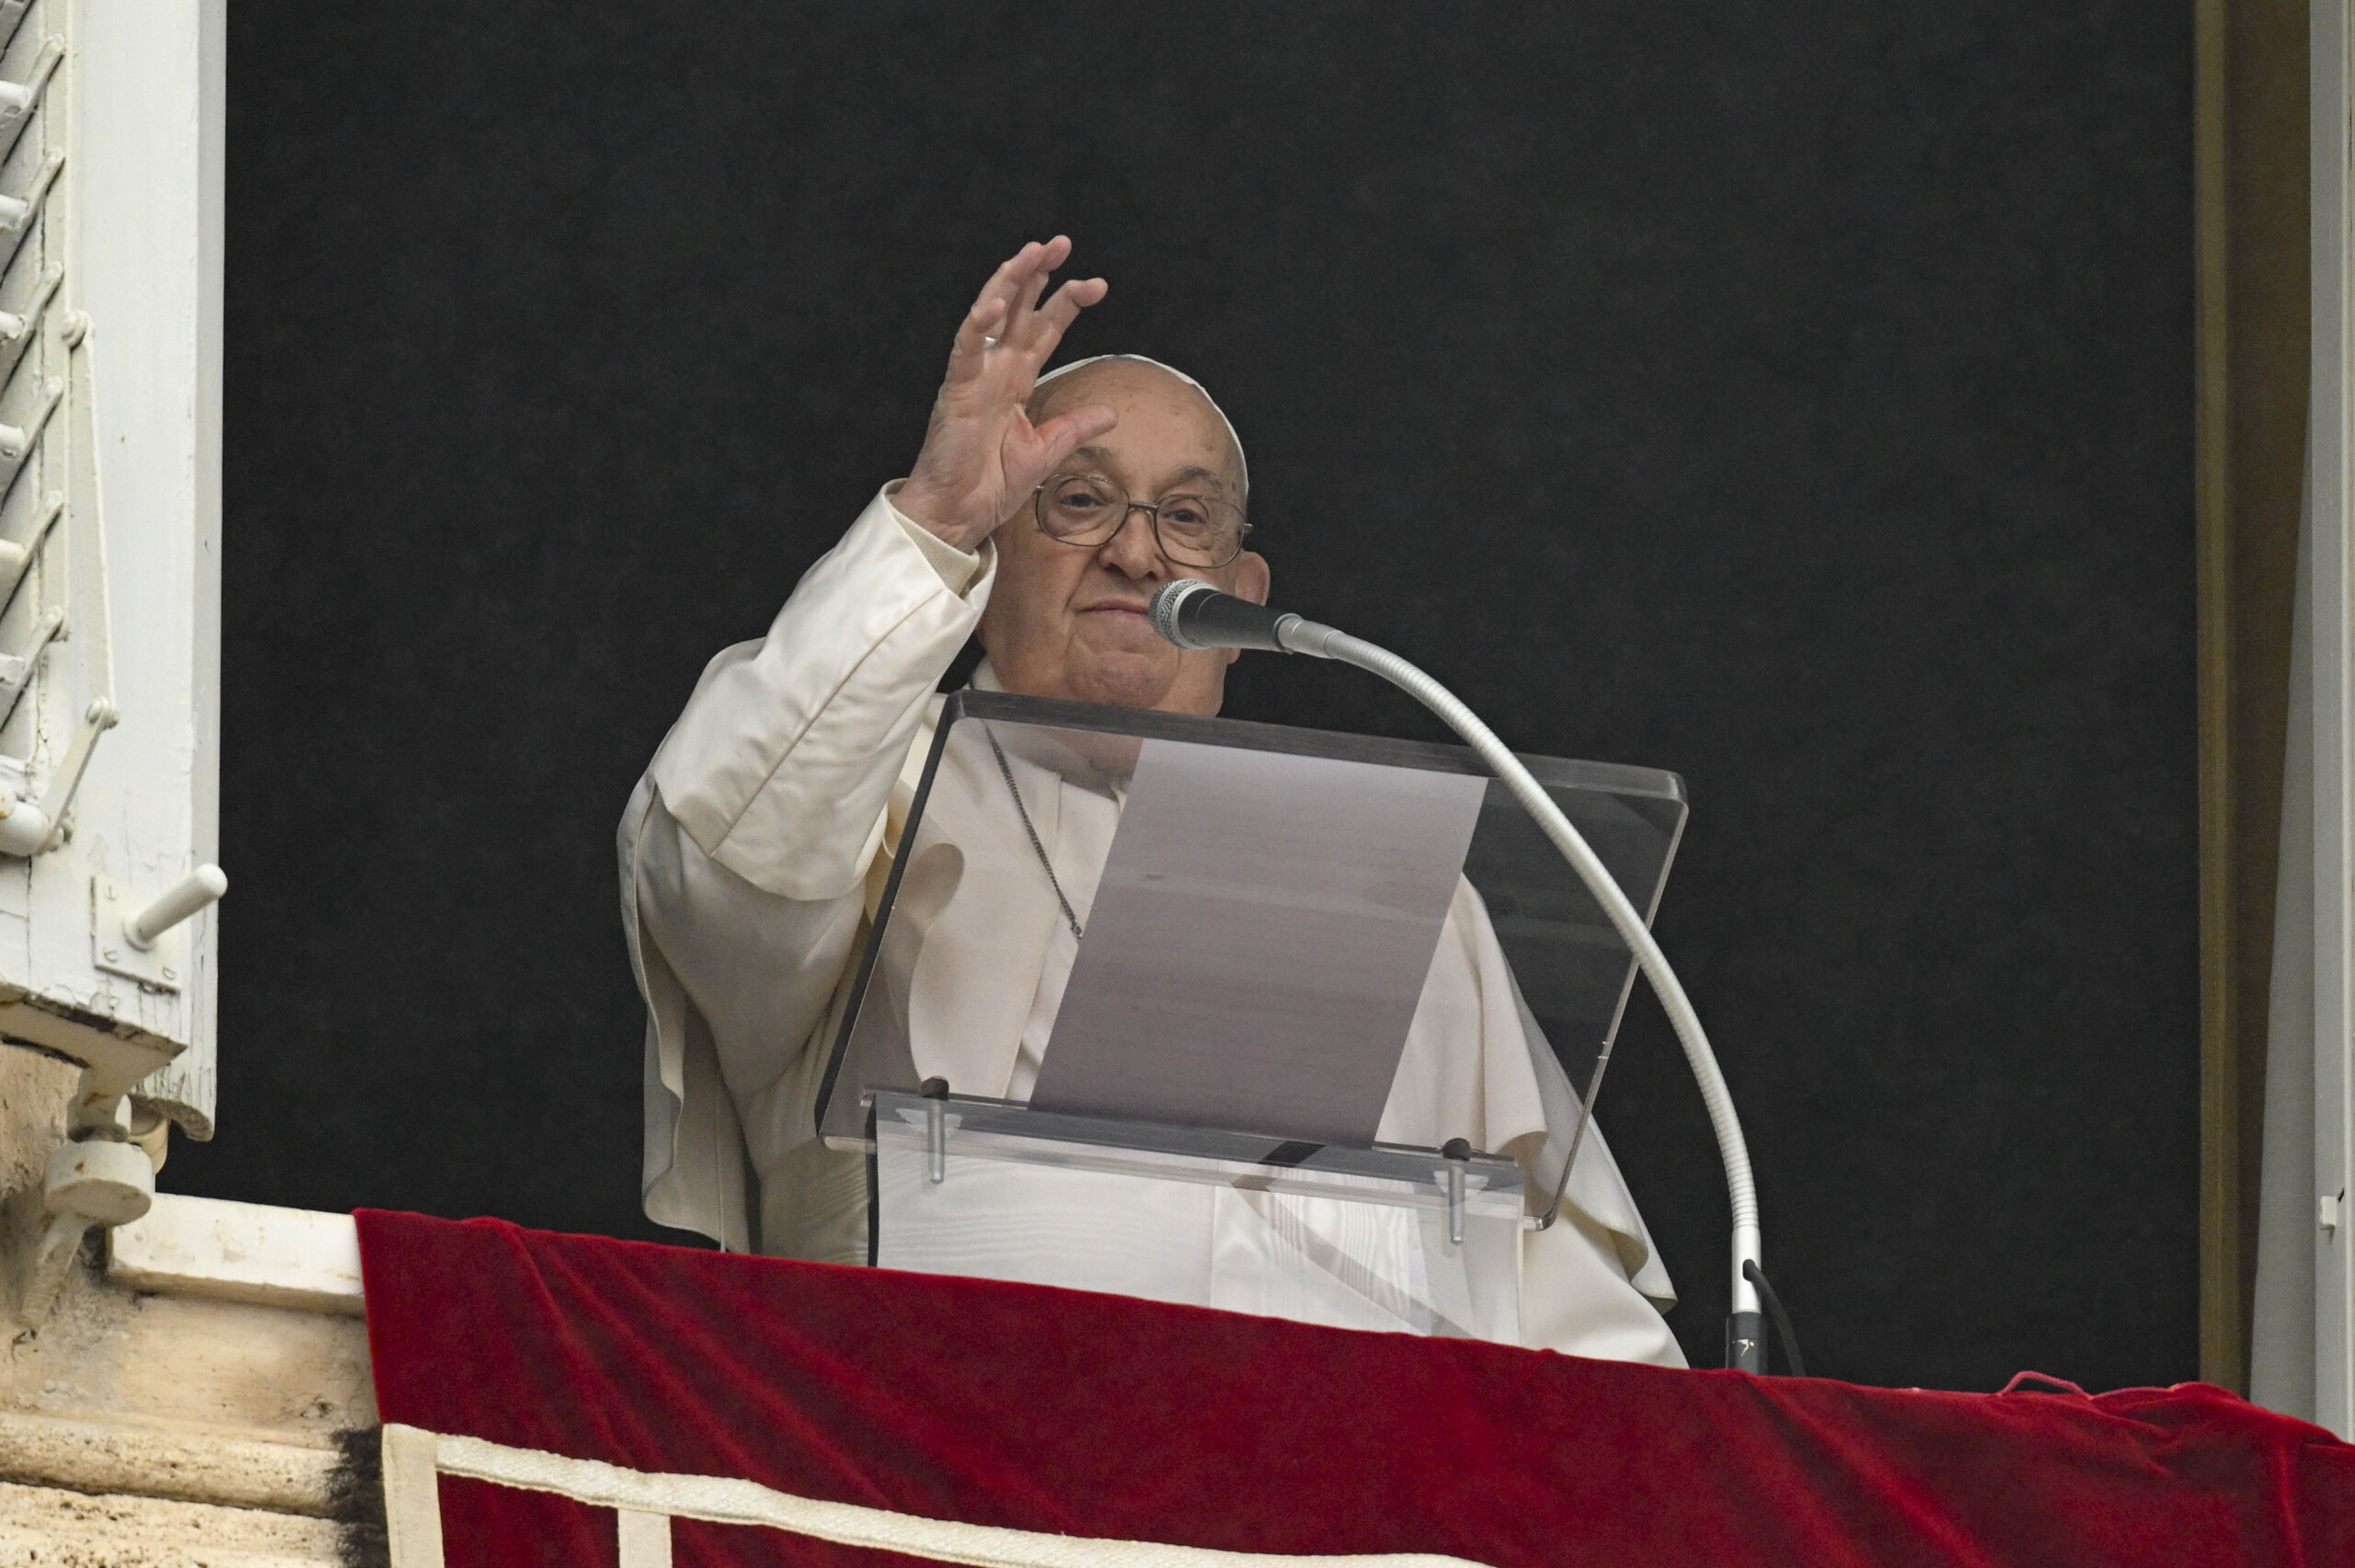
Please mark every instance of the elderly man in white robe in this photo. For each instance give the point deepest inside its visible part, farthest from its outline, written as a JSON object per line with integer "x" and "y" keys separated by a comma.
{"x": 754, "y": 851}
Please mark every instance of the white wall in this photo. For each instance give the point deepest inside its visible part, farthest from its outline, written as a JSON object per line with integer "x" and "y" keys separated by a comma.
{"x": 2303, "y": 1340}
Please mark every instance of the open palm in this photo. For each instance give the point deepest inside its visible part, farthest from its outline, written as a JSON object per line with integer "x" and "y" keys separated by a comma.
{"x": 982, "y": 454}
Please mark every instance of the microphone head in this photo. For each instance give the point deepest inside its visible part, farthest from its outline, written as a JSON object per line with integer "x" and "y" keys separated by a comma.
{"x": 1166, "y": 602}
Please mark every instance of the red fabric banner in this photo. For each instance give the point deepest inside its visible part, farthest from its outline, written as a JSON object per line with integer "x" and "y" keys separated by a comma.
{"x": 1080, "y": 1414}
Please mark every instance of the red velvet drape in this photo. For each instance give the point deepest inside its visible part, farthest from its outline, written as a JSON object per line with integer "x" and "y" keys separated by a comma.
{"x": 1098, "y": 1416}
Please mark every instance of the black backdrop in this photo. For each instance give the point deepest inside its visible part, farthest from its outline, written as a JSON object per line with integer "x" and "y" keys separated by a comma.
{"x": 1797, "y": 397}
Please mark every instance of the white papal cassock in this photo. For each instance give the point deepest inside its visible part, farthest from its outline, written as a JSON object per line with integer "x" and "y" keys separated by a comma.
{"x": 752, "y": 856}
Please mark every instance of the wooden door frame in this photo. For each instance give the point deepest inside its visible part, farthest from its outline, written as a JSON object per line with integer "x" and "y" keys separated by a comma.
{"x": 2251, "y": 202}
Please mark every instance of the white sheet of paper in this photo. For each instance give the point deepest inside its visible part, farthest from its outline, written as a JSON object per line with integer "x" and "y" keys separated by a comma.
{"x": 1259, "y": 941}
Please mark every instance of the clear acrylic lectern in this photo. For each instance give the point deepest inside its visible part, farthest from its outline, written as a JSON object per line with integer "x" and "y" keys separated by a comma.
{"x": 1254, "y": 923}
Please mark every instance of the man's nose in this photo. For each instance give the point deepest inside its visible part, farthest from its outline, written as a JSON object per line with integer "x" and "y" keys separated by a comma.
{"x": 1134, "y": 551}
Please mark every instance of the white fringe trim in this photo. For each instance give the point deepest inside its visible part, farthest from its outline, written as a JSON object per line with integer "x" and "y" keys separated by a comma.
{"x": 724, "y": 1500}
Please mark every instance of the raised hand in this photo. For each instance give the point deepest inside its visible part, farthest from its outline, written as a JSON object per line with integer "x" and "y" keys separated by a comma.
{"x": 981, "y": 456}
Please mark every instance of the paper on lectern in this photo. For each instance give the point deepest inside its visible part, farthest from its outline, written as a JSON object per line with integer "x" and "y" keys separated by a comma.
{"x": 1259, "y": 941}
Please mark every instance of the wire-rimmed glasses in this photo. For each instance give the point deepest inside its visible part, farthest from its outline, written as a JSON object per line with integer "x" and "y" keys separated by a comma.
{"x": 1191, "y": 530}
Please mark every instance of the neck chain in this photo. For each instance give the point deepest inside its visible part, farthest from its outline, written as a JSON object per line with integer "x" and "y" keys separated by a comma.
{"x": 1006, "y": 771}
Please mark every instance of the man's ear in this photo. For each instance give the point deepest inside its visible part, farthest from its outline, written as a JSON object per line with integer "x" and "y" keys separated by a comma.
{"x": 1250, "y": 577}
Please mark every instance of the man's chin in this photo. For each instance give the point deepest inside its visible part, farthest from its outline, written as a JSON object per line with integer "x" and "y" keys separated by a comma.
{"x": 1121, "y": 678}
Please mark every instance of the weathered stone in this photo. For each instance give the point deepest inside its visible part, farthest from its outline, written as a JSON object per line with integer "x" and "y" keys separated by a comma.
{"x": 35, "y": 1089}
{"x": 189, "y": 1463}
{"x": 54, "y": 1529}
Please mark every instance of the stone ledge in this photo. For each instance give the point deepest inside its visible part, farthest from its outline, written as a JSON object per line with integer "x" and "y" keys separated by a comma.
{"x": 241, "y": 1251}
{"x": 189, "y": 1464}
{"x": 71, "y": 1529}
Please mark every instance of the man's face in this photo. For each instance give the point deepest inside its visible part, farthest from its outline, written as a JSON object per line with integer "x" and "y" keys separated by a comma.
{"x": 1070, "y": 621}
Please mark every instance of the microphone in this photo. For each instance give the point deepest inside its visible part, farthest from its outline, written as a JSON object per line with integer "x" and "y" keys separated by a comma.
{"x": 1193, "y": 614}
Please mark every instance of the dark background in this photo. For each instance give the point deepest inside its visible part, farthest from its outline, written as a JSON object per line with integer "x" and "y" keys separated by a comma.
{"x": 1796, "y": 397}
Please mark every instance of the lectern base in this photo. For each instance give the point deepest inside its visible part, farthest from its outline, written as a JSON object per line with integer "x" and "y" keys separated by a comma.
{"x": 1350, "y": 1239}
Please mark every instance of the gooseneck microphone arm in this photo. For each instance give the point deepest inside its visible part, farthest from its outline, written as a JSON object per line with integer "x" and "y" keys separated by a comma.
{"x": 1193, "y": 614}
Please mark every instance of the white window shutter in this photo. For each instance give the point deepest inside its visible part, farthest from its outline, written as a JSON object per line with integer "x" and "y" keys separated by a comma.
{"x": 111, "y": 223}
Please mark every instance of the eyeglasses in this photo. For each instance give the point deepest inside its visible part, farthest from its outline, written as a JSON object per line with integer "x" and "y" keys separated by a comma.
{"x": 1193, "y": 530}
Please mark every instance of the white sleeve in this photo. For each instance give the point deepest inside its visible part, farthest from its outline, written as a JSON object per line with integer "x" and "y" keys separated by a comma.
{"x": 781, "y": 766}
{"x": 744, "y": 848}
{"x": 759, "y": 969}
{"x": 960, "y": 569}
